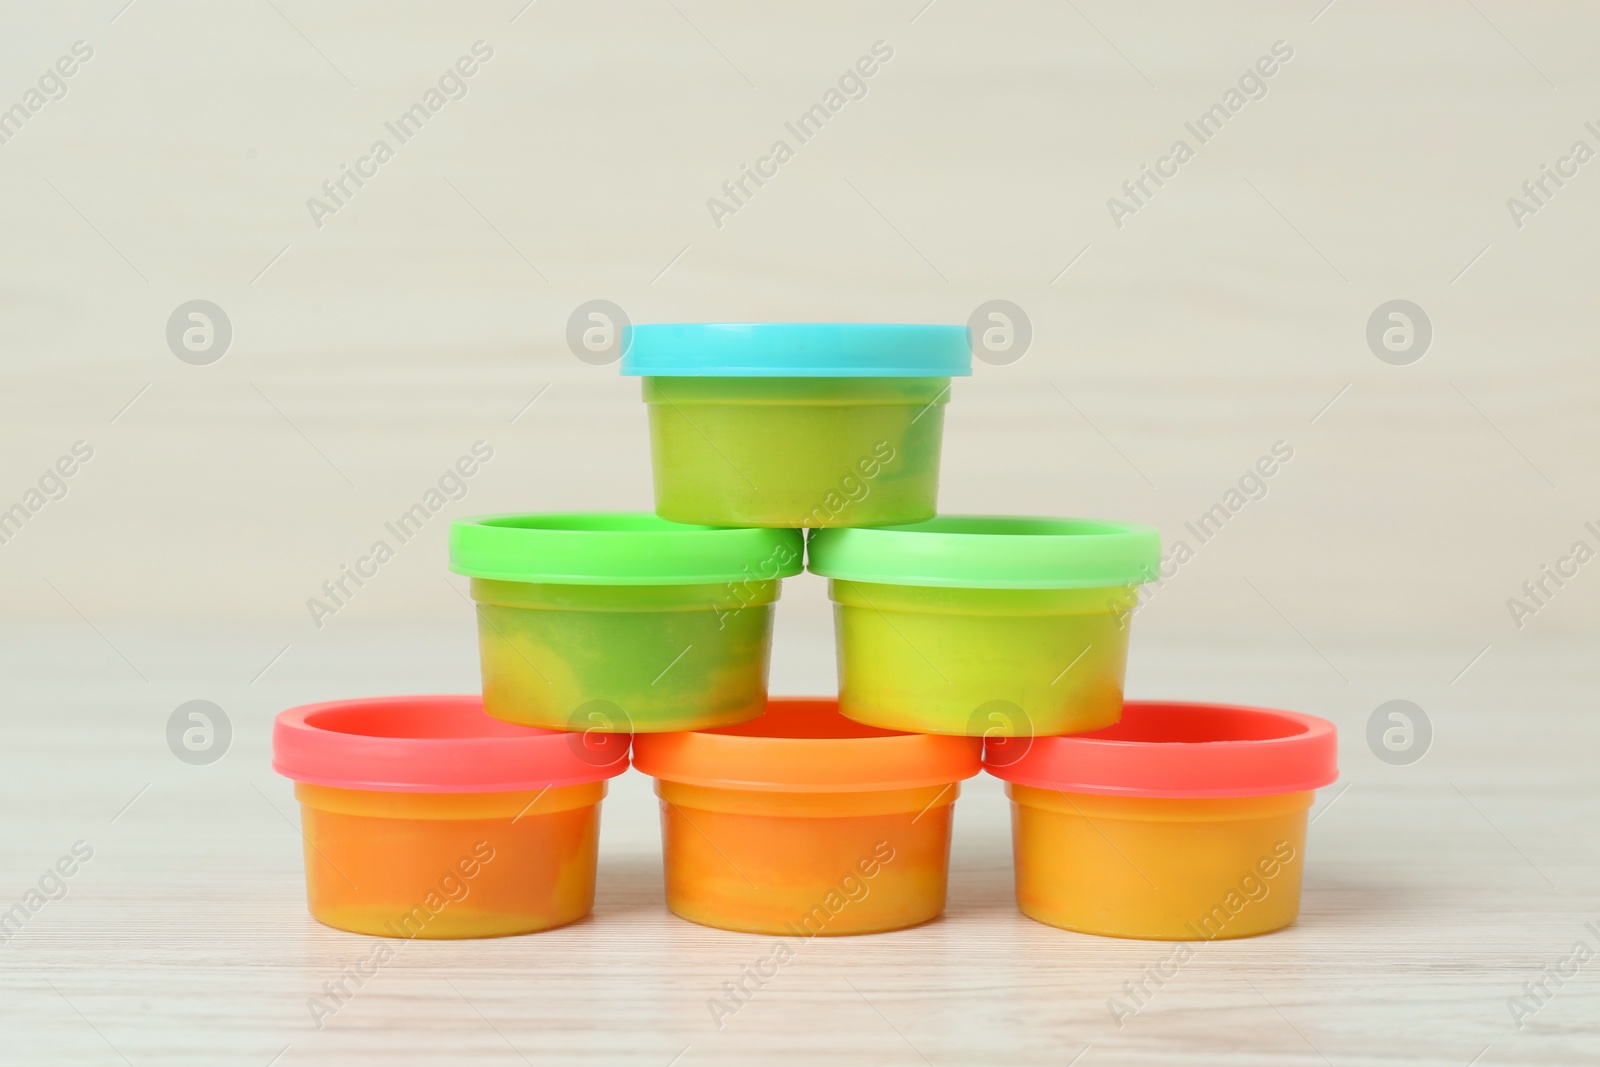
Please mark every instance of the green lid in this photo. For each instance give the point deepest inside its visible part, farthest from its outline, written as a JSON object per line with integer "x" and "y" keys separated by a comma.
{"x": 990, "y": 552}
{"x": 617, "y": 548}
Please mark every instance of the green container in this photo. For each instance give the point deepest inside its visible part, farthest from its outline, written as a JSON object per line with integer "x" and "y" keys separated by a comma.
{"x": 811, "y": 452}
{"x": 985, "y": 626}
{"x": 796, "y": 425}
{"x": 622, "y": 623}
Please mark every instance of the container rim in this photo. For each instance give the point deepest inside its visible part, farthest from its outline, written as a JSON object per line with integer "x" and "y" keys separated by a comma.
{"x": 803, "y": 745}
{"x": 990, "y": 551}
{"x": 434, "y": 744}
{"x": 796, "y": 350}
{"x": 1177, "y": 749}
{"x": 618, "y": 548}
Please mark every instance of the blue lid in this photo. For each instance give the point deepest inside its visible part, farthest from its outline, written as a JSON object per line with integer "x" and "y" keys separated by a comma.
{"x": 797, "y": 350}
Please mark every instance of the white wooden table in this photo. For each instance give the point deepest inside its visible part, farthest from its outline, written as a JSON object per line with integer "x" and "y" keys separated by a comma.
{"x": 1433, "y": 891}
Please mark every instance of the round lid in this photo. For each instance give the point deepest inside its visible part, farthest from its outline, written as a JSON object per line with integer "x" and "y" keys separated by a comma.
{"x": 797, "y": 350}
{"x": 993, "y": 552}
{"x": 806, "y": 746}
{"x": 1166, "y": 749}
{"x": 617, "y": 548}
{"x": 434, "y": 744}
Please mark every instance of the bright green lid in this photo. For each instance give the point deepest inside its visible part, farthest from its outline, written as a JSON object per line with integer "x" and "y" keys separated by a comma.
{"x": 990, "y": 552}
{"x": 617, "y": 548}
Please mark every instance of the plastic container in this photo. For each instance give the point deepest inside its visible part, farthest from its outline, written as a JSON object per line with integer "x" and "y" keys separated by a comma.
{"x": 804, "y": 823}
{"x": 985, "y": 626}
{"x": 622, "y": 622}
{"x": 796, "y": 424}
{"x": 424, "y": 817}
{"x": 1182, "y": 822}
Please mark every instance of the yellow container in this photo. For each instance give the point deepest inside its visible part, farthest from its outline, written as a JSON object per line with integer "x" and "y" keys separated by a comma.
{"x": 969, "y": 661}
{"x": 984, "y": 625}
{"x": 1181, "y": 822}
{"x": 1165, "y": 869}
{"x": 424, "y": 817}
{"x": 803, "y": 823}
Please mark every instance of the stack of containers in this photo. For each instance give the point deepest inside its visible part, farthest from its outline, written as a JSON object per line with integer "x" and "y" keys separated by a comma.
{"x": 964, "y": 643}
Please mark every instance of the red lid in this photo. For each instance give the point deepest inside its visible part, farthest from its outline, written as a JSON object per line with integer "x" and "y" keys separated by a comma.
{"x": 1162, "y": 749}
{"x": 803, "y": 745}
{"x": 434, "y": 744}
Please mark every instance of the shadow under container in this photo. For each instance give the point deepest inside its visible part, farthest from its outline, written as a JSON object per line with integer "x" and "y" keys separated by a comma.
{"x": 796, "y": 424}
{"x": 1182, "y": 822}
{"x": 985, "y": 626}
{"x": 424, "y": 817}
{"x": 622, "y": 622}
{"x": 804, "y": 823}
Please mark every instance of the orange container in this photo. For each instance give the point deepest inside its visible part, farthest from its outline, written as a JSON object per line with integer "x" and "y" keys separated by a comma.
{"x": 801, "y": 822}
{"x": 1182, "y": 822}
{"x": 424, "y": 817}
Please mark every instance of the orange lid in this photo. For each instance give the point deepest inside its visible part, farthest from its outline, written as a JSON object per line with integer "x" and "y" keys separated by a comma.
{"x": 803, "y": 745}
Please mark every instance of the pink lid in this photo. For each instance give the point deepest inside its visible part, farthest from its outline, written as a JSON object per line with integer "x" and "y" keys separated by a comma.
{"x": 1164, "y": 749}
{"x": 434, "y": 744}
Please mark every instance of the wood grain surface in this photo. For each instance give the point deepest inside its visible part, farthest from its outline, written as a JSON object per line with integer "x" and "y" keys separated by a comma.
{"x": 1172, "y": 348}
{"x": 1433, "y": 892}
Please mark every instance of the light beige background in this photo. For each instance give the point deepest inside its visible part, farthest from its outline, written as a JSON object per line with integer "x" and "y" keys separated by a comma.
{"x": 1168, "y": 354}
